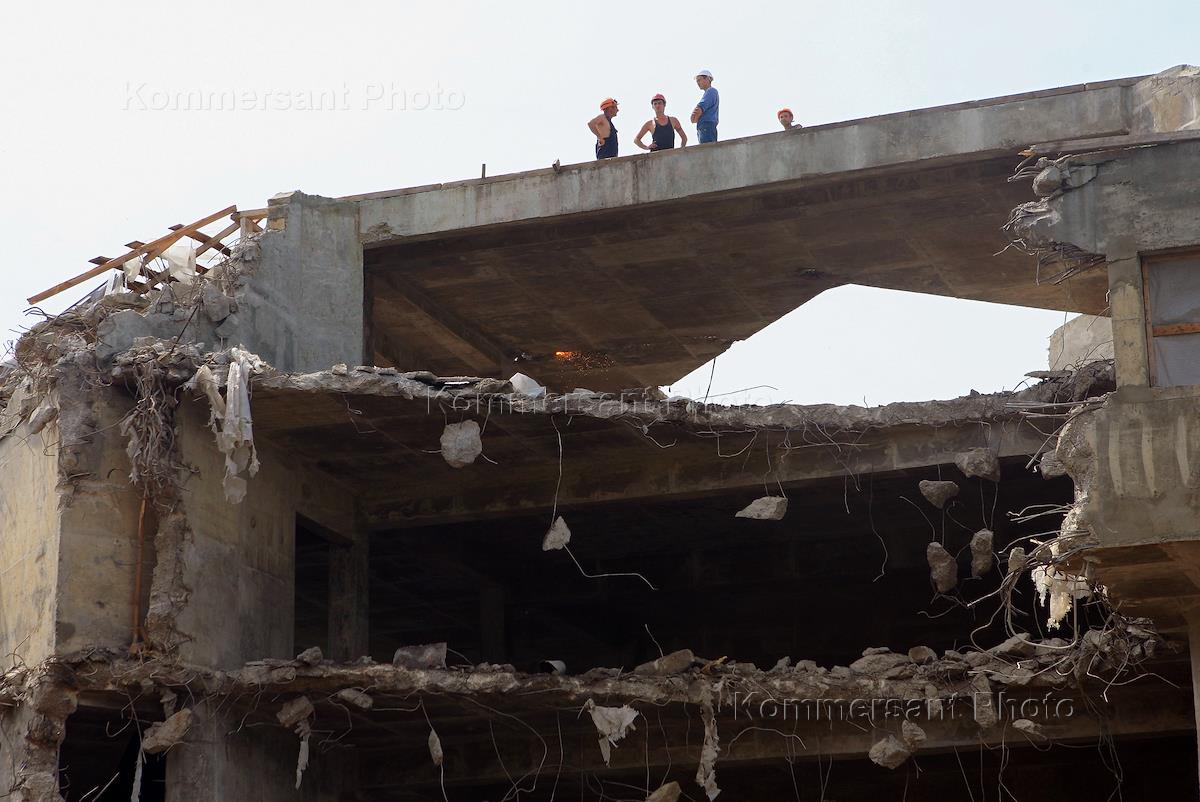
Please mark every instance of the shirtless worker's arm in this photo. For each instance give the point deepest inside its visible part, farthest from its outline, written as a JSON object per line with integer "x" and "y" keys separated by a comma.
{"x": 600, "y": 128}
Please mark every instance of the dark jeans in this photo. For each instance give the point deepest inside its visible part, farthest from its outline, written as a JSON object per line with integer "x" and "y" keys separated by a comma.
{"x": 706, "y": 132}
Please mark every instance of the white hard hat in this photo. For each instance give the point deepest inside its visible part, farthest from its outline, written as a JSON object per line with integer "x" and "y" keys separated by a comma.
{"x": 705, "y": 74}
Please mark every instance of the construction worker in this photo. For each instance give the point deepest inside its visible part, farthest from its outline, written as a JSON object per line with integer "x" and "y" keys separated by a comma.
{"x": 706, "y": 112}
{"x": 785, "y": 119}
{"x": 605, "y": 132}
{"x": 663, "y": 127}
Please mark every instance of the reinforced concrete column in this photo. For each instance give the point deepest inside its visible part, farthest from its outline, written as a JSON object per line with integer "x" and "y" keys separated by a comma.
{"x": 349, "y": 599}
{"x": 1128, "y": 309}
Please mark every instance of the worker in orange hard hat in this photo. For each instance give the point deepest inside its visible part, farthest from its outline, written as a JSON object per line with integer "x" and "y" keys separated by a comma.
{"x": 605, "y": 132}
{"x": 664, "y": 128}
{"x": 784, "y": 116}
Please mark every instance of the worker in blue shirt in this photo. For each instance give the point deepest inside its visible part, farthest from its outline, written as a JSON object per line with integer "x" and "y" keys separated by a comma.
{"x": 706, "y": 112}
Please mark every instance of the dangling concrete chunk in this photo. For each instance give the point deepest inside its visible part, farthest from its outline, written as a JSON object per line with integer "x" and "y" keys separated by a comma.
{"x": 767, "y": 508}
{"x": 912, "y": 734}
{"x": 667, "y": 793}
{"x": 981, "y": 552}
{"x": 979, "y": 462}
{"x": 558, "y": 536}
{"x": 942, "y": 568}
{"x": 890, "y": 753}
{"x": 1016, "y": 560}
{"x": 295, "y": 711}
{"x": 937, "y": 493}
{"x": 163, "y": 735}
{"x": 461, "y": 443}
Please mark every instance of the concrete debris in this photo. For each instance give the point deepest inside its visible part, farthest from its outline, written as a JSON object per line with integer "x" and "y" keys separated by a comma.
{"x": 667, "y": 793}
{"x": 45, "y": 412}
{"x": 558, "y": 536}
{"x": 890, "y": 752}
{"x": 912, "y": 734}
{"x": 217, "y": 305}
{"x": 1051, "y": 466}
{"x": 706, "y": 773}
{"x": 461, "y": 443}
{"x": 879, "y": 663}
{"x": 982, "y": 557}
{"x": 979, "y": 462}
{"x": 1016, "y": 560}
{"x": 612, "y": 724}
{"x": 922, "y": 655}
{"x": 937, "y": 493}
{"x": 421, "y": 658}
{"x": 1017, "y": 646}
{"x": 526, "y": 386}
{"x": 673, "y": 663}
{"x": 435, "y": 748}
{"x": 1030, "y": 728}
{"x": 311, "y": 656}
{"x": 942, "y": 568}
{"x": 985, "y": 704}
{"x": 355, "y": 697}
{"x": 162, "y": 735}
{"x": 295, "y": 711}
{"x": 767, "y": 508}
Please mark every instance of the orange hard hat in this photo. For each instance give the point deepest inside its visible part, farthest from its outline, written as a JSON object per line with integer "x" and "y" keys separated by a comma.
{"x": 781, "y": 112}
{"x": 608, "y": 101}
{"x": 659, "y": 96}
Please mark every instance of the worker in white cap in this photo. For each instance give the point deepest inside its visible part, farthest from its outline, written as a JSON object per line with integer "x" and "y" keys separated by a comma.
{"x": 707, "y": 110}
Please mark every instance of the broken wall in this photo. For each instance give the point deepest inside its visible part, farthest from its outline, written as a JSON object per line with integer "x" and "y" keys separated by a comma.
{"x": 221, "y": 573}
{"x": 29, "y": 538}
{"x": 299, "y": 297}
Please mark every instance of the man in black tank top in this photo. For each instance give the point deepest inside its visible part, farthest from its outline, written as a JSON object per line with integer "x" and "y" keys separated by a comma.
{"x": 661, "y": 129}
{"x": 605, "y": 132}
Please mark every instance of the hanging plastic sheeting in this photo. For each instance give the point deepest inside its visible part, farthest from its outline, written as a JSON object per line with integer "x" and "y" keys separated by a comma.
{"x": 181, "y": 263}
{"x": 230, "y": 419}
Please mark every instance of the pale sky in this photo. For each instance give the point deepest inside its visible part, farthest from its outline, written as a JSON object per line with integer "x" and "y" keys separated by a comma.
{"x": 99, "y": 148}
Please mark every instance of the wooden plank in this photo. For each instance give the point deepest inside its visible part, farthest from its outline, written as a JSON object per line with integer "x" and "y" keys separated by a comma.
{"x": 1171, "y": 329}
{"x": 215, "y": 240}
{"x": 150, "y": 249}
{"x": 251, "y": 214}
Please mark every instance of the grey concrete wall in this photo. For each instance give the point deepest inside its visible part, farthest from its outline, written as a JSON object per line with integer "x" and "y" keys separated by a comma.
{"x": 1083, "y": 339}
{"x": 303, "y": 307}
{"x": 1004, "y": 125}
{"x": 29, "y": 534}
{"x": 1141, "y": 467}
{"x": 97, "y": 549}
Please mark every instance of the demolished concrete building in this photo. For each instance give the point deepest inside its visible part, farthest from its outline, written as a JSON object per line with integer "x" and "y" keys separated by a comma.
{"x": 303, "y": 527}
